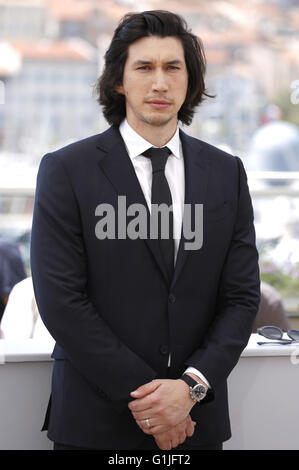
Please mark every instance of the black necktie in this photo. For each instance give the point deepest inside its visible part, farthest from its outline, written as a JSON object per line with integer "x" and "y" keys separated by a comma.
{"x": 161, "y": 194}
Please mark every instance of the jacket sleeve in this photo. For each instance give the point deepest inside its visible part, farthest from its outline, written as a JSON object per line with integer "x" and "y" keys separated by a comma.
{"x": 59, "y": 272}
{"x": 238, "y": 297}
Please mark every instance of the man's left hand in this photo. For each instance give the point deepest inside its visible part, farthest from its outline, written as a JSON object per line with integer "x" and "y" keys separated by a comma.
{"x": 160, "y": 405}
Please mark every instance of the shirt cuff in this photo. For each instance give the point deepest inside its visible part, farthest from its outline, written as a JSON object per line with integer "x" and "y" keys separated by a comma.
{"x": 196, "y": 372}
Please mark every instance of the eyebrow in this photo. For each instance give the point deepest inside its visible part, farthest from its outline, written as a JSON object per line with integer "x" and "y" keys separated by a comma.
{"x": 146, "y": 62}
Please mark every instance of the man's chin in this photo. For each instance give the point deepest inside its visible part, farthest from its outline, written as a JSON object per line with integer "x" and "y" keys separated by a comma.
{"x": 157, "y": 120}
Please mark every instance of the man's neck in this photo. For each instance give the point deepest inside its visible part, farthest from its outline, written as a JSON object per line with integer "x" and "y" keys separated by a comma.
{"x": 156, "y": 135}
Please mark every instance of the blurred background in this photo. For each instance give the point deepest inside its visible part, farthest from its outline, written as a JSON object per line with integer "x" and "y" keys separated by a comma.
{"x": 51, "y": 53}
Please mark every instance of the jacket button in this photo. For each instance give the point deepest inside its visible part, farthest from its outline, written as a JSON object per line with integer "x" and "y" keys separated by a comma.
{"x": 172, "y": 298}
{"x": 163, "y": 349}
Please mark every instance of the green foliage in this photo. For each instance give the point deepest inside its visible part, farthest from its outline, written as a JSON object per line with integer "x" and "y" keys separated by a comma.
{"x": 285, "y": 280}
{"x": 290, "y": 111}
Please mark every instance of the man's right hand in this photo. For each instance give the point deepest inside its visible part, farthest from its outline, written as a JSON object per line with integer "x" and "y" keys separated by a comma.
{"x": 177, "y": 435}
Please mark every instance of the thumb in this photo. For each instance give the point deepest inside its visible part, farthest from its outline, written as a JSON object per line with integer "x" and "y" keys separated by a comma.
{"x": 145, "y": 389}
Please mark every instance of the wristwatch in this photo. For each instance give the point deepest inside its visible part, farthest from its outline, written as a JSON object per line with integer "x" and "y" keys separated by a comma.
{"x": 197, "y": 390}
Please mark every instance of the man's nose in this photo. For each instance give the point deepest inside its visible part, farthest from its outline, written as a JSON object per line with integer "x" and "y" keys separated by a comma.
{"x": 160, "y": 81}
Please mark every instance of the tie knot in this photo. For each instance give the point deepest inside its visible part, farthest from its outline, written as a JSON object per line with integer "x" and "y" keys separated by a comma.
{"x": 158, "y": 157}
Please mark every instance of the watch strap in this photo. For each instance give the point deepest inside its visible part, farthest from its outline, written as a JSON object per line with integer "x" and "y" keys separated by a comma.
{"x": 189, "y": 381}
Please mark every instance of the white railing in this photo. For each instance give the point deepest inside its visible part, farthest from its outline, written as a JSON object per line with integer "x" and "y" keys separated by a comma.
{"x": 267, "y": 177}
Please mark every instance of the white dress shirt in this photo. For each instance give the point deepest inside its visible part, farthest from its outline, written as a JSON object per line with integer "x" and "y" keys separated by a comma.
{"x": 175, "y": 175}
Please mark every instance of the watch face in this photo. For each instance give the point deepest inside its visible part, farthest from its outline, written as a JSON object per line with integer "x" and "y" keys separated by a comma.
{"x": 198, "y": 392}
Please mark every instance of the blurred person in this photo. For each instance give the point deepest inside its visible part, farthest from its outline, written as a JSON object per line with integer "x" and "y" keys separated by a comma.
{"x": 21, "y": 318}
{"x": 271, "y": 310}
{"x": 147, "y": 329}
{"x": 12, "y": 270}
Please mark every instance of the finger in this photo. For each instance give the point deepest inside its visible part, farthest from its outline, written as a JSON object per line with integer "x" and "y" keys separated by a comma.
{"x": 142, "y": 404}
{"x": 175, "y": 436}
{"x": 139, "y": 423}
{"x": 155, "y": 428}
{"x": 163, "y": 444}
{"x": 190, "y": 428}
{"x": 174, "y": 443}
{"x": 145, "y": 389}
{"x": 143, "y": 424}
{"x": 159, "y": 429}
{"x": 144, "y": 428}
{"x": 145, "y": 414}
{"x": 182, "y": 435}
{"x": 181, "y": 432}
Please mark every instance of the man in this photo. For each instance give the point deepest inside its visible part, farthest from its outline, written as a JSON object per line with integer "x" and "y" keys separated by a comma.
{"x": 12, "y": 270}
{"x": 147, "y": 328}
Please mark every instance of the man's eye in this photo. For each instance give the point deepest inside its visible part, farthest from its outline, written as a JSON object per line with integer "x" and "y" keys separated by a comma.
{"x": 144, "y": 67}
{"x": 173, "y": 67}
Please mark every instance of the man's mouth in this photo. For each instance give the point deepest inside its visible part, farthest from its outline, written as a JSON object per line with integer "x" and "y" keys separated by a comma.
{"x": 159, "y": 104}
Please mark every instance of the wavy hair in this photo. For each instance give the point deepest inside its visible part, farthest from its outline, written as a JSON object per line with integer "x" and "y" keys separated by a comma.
{"x": 134, "y": 26}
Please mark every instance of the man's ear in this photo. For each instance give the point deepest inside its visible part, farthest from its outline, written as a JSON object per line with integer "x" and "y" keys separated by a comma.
{"x": 119, "y": 89}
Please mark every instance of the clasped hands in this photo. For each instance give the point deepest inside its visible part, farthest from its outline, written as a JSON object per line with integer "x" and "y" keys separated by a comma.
{"x": 161, "y": 408}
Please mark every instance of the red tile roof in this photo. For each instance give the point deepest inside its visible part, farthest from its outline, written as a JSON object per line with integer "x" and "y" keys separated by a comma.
{"x": 49, "y": 50}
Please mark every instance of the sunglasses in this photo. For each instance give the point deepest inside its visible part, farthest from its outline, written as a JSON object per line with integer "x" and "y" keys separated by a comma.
{"x": 276, "y": 333}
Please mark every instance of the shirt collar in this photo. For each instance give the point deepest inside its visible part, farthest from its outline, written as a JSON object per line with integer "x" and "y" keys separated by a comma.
{"x": 136, "y": 144}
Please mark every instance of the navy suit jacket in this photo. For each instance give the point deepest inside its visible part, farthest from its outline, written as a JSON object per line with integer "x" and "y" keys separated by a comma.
{"x": 109, "y": 304}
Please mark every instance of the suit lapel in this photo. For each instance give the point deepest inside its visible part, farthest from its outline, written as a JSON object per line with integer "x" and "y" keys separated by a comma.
{"x": 116, "y": 164}
{"x": 196, "y": 181}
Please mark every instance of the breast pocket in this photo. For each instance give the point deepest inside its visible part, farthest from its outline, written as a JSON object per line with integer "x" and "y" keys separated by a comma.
{"x": 217, "y": 212}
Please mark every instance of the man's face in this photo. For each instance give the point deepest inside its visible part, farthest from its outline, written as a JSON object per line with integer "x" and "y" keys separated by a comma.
{"x": 155, "y": 81}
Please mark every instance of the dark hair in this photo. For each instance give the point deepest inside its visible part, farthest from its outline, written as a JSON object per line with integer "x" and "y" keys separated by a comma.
{"x": 132, "y": 27}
